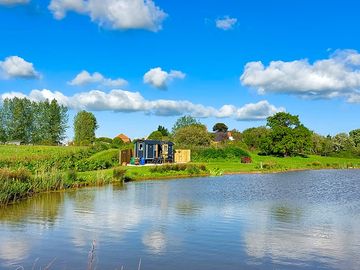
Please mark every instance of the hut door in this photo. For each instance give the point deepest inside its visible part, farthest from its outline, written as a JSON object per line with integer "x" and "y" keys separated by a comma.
{"x": 150, "y": 151}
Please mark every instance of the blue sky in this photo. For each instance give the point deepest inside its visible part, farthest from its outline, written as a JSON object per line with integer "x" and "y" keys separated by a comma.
{"x": 157, "y": 60}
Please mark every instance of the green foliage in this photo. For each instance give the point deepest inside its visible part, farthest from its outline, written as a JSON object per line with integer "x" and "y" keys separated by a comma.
{"x": 85, "y": 125}
{"x": 184, "y": 121}
{"x": 104, "y": 139}
{"x": 220, "y": 127}
{"x": 117, "y": 142}
{"x": 32, "y": 122}
{"x": 355, "y": 136}
{"x": 213, "y": 154}
{"x": 287, "y": 137}
{"x": 193, "y": 135}
{"x": 253, "y": 137}
{"x": 156, "y": 135}
{"x": 189, "y": 168}
{"x": 164, "y": 131}
{"x": 102, "y": 160}
{"x": 119, "y": 173}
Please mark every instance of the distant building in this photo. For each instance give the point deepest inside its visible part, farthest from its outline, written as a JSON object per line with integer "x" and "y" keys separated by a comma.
{"x": 221, "y": 136}
{"x": 14, "y": 142}
{"x": 124, "y": 138}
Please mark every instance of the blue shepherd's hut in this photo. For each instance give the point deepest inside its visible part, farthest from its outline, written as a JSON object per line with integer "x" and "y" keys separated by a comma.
{"x": 153, "y": 151}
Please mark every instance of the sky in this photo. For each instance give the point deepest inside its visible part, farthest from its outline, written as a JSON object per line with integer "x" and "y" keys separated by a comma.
{"x": 137, "y": 64}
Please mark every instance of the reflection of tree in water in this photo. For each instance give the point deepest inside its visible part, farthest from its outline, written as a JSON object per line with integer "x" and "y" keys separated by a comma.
{"x": 42, "y": 207}
{"x": 285, "y": 213}
{"x": 188, "y": 208}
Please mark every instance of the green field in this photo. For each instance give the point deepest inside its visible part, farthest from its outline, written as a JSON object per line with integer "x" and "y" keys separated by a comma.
{"x": 26, "y": 170}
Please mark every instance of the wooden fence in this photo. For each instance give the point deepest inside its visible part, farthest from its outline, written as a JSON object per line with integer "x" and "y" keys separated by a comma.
{"x": 125, "y": 156}
{"x": 182, "y": 156}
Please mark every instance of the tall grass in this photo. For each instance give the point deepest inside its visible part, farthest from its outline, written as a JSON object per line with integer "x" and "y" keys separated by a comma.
{"x": 20, "y": 183}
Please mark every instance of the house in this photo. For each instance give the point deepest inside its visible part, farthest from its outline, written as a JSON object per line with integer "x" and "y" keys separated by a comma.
{"x": 124, "y": 138}
{"x": 14, "y": 143}
{"x": 221, "y": 136}
{"x": 153, "y": 151}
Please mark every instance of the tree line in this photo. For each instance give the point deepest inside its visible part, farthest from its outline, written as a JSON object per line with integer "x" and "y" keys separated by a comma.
{"x": 284, "y": 135}
{"x": 33, "y": 122}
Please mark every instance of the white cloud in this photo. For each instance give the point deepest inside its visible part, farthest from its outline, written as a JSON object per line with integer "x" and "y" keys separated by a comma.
{"x": 13, "y": 2}
{"x": 126, "y": 101}
{"x": 85, "y": 77}
{"x": 17, "y": 67}
{"x": 114, "y": 14}
{"x": 226, "y": 23}
{"x": 160, "y": 78}
{"x": 337, "y": 76}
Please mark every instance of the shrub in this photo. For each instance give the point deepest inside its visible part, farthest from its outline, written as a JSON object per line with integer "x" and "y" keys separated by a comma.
{"x": 225, "y": 153}
{"x": 119, "y": 173}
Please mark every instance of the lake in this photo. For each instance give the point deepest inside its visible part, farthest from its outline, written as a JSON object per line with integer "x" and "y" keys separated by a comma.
{"x": 296, "y": 220}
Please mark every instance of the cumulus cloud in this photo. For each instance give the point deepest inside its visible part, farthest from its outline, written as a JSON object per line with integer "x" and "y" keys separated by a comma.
{"x": 126, "y": 101}
{"x": 84, "y": 78}
{"x": 160, "y": 78}
{"x": 226, "y": 23}
{"x": 337, "y": 76}
{"x": 13, "y": 2}
{"x": 114, "y": 14}
{"x": 17, "y": 67}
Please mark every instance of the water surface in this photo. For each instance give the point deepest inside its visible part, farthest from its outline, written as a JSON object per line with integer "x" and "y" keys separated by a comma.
{"x": 297, "y": 220}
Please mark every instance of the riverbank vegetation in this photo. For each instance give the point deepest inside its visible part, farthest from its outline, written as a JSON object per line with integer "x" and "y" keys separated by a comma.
{"x": 284, "y": 144}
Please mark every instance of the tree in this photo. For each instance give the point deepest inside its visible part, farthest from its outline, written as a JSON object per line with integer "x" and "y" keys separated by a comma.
{"x": 32, "y": 122}
{"x": 287, "y": 137}
{"x": 355, "y": 135}
{"x": 184, "y": 121}
{"x": 155, "y": 135}
{"x": 343, "y": 142}
{"x": 85, "y": 125}
{"x": 164, "y": 131}
{"x": 220, "y": 127}
{"x": 253, "y": 137}
{"x": 192, "y": 135}
{"x": 57, "y": 119}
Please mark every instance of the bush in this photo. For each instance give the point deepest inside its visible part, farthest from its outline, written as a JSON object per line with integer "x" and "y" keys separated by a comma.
{"x": 102, "y": 160}
{"x": 119, "y": 173}
{"x": 226, "y": 153}
{"x": 190, "y": 168}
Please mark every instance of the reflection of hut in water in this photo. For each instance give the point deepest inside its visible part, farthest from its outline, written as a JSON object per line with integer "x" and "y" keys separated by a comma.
{"x": 153, "y": 151}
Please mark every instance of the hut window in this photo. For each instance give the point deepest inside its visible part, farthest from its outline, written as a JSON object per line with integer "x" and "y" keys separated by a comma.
{"x": 141, "y": 147}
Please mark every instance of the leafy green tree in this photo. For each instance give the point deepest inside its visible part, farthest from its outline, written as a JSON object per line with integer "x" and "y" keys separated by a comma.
{"x": 57, "y": 119}
{"x": 287, "y": 137}
{"x": 220, "y": 127}
{"x": 85, "y": 125}
{"x": 355, "y": 136}
{"x": 343, "y": 142}
{"x": 184, "y": 121}
{"x": 117, "y": 142}
{"x": 155, "y": 135}
{"x": 253, "y": 137}
{"x": 192, "y": 135}
{"x": 164, "y": 131}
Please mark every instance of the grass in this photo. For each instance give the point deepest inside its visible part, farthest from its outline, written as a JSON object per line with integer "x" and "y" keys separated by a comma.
{"x": 26, "y": 170}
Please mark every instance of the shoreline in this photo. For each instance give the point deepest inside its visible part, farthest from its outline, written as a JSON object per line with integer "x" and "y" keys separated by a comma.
{"x": 104, "y": 177}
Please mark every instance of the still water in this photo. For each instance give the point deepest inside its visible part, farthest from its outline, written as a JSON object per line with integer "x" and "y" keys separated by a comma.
{"x": 297, "y": 220}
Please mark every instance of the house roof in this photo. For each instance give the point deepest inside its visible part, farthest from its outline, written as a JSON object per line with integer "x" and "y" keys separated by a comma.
{"x": 123, "y": 137}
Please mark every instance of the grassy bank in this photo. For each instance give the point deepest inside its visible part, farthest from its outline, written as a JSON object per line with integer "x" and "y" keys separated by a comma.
{"x": 260, "y": 164}
{"x": 27, "y": 170}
